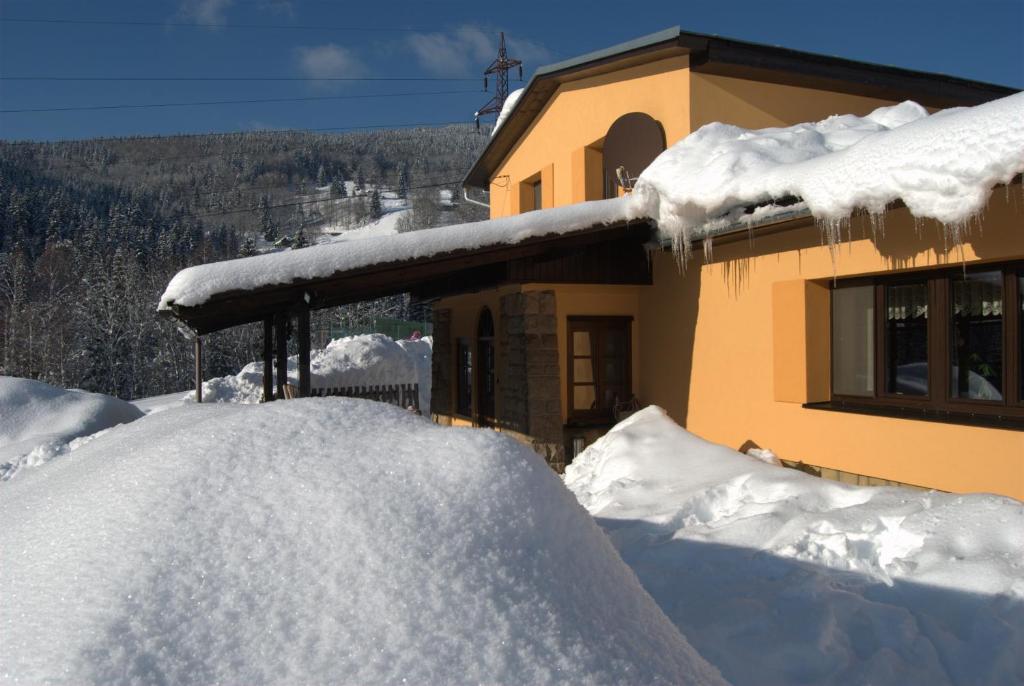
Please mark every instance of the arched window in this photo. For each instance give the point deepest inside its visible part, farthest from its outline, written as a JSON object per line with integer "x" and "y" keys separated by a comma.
{"x": 632, "y": 142}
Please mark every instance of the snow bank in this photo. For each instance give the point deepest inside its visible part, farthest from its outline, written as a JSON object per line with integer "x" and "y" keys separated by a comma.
{"x": 317, "y": 541}
{"x": 778, "y": 577}
{"x": 365, "y": 360}
{"x": 942, "y": 166}
{"x": 39, "y": 421}
{"x": 506, "y": 108}
{"x": 195, "y": 285}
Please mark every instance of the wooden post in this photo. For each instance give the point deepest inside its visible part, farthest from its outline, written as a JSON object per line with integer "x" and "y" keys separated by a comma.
{"x": 268, "y": 359}
{"x": 281, "y": 326}
{"x": 304, "y": 374}
{"x": 199, "y": 368}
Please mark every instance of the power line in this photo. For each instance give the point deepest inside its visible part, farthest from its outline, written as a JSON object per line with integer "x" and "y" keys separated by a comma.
{"x": 238, "y": 78}
{"x": 231, "y": 102}
{"x": 210, "y": 25}
{"x": 169, "y": 136}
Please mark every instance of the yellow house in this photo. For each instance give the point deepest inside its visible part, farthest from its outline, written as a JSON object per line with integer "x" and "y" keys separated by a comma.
{"x": 737, "y": 348}
{"x": 896, "y": 358}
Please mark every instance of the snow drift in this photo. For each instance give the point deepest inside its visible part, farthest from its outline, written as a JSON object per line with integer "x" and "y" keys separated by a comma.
{"x": 39, "y": 421}
{"x": 778, "y": 577}
{"x": 301, "y": 542}
{"x": 364, "y": 360}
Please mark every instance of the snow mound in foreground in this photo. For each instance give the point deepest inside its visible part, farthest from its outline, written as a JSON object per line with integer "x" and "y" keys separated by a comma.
{"x": 943, "y": 166}
{"x": 325, "y": 540}
{"x": 39, "y": 421}
{"x": 365, "y": 360}
{"x": 780, "y": 577}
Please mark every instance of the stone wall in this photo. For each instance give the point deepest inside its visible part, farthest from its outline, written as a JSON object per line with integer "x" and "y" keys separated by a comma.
{"x": 442, "y": 360}
{"x": 530, "y": 389}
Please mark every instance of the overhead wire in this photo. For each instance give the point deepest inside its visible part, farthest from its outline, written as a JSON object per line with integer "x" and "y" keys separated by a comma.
{"x": 362, "y": 96}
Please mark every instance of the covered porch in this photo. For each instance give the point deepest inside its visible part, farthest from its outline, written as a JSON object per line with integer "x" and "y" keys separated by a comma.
{"x": 596, "y": 253}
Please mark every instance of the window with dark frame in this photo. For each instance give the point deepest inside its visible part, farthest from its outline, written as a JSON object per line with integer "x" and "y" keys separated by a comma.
{"x": 599, "y": 373}
{"x": 538, "y": 195}
{"x": 942, "y": 344}
{"x": 464, "y": 353}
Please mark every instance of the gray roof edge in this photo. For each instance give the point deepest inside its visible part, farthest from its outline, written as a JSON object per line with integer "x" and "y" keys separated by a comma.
{"x": 650, "y": 39}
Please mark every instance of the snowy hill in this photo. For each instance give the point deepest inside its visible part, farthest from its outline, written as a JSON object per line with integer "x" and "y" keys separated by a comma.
{"x": 317, "y": 541}
{"x": 778, "y": 577}
{"x": 39, "y": 421}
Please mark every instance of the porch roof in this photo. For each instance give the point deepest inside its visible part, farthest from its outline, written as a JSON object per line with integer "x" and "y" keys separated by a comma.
{"x": 543, "y": 246}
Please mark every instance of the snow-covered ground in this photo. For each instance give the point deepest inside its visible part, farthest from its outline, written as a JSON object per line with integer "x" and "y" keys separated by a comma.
{"x": 39, "y": 421}
{"x": 364, "y": 360}
{"x": 777, "y": 577}
{"x": 316, "y": 541}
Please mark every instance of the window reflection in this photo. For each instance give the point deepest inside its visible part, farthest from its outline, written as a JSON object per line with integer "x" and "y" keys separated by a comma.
{"x": 906, "y": 339}
{"x": 977, "y": 331}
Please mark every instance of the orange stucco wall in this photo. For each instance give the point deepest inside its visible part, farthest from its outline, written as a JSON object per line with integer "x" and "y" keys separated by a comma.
{"x": 754, "y": 104}
{"x": 732, "y": 347}
{"x": 579, "y": 115}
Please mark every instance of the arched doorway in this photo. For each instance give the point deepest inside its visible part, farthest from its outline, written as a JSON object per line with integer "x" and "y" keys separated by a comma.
{"x": 485, "y": 368}
{"x": 632, "y": 142}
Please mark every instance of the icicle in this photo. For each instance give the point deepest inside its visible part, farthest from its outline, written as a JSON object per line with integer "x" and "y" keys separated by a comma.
{"x": 708, "y": 247}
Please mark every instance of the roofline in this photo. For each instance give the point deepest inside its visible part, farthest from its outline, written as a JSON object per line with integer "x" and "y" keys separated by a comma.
{"x": 237, "y": 307}
{"x": 715, "y": 54}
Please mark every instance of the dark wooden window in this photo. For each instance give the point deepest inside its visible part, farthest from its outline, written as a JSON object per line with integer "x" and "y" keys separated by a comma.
{"x": 599, "y": 366}
{"x": 944, "y": 344}
{"x": 464, "y": 368}
{"x": 538, "y": 195}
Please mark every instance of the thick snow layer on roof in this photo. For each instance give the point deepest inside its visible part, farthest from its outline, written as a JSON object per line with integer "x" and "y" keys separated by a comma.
{"x": 311, "y": 542}
{"x": 506, "y": 108}
{"x": 778, "y": 577}
{"x": 195, "y": 285}
{"x": 39, "y": 421}
{"x": 942, "y": 166}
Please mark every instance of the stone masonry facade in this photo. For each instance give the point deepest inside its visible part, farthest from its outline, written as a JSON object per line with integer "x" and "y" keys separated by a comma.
{"x": 531, "y": 384}
{"x": 441, "y": 372}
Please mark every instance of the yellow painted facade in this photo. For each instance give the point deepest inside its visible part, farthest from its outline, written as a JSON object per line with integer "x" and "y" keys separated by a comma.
{"x": 733, "y": 348}
{"x": 577, "y": 118}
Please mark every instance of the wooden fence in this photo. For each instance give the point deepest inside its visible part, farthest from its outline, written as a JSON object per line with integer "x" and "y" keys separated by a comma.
{"x": 404, "y": 395}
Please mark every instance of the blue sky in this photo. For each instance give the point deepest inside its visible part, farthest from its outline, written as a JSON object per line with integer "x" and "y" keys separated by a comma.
{"x": 981, "y": 39}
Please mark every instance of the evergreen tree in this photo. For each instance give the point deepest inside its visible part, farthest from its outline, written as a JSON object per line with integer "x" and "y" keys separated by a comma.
{"x": 301, "y": 241}
{"x": 403, "y": 183}
{"x": 248, "y": 247}
{"x": 376, "y": 210}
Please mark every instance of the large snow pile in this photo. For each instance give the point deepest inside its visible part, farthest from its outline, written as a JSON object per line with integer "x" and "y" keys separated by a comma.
{"x": 364, "y": 360}
{"x": 506, "y": 109}
{"x": 317, "y": 541}
{"x": 777, "y": 577}
{"x": 942, "y": 166}
{"x": 39, "y": 421}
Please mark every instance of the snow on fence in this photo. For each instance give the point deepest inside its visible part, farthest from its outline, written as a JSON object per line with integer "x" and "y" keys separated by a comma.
{"x": 404, "y": 395}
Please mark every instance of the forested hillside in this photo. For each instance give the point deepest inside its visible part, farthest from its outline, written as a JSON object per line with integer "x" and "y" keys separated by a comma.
{"x": 91, "y": 231}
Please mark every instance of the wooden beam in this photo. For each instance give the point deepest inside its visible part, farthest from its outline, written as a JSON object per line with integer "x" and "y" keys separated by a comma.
{"x": 281, "y": 326}
{"x": 268, "y": 359}
{"x": 303, "y": 330}
{"x": 199, "y": 368}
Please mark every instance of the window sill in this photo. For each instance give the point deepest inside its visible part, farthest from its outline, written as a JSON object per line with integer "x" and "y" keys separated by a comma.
{"x": 924, "y": 414}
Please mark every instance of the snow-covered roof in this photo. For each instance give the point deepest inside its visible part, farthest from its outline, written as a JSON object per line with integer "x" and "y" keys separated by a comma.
{"x": 506, "y": 108}
{"x": 195, "y": 285}
{"x": 941, "y": 166}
